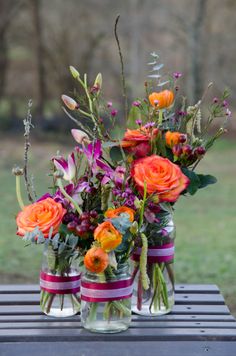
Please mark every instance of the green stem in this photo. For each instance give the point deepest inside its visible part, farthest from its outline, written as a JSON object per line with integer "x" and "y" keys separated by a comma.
{"x": 18, "y": 193}
{"x": 60, "y": 185}
{"x": 93, "y": 311}
{"x": 160, "y": 119}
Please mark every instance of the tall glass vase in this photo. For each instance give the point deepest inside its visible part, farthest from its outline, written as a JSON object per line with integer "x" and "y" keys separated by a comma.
{"x": 158, "y": 299}
{"x": 106, "y": 300}
{"x": 59, "y": 284}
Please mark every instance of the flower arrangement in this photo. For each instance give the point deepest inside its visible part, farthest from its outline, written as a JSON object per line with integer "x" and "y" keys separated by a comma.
{"x": 108, "y": 196}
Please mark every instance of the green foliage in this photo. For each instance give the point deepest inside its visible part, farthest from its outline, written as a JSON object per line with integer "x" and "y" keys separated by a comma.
{"x": 197, "y": 181}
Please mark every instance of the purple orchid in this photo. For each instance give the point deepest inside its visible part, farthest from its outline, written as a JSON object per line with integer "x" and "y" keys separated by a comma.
{"x": 93, "y": 153}
{"x": 68, "y": 167}
{"x": 70, "y": 190}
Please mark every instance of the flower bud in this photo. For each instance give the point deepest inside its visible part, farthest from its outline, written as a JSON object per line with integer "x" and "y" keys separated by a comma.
{"x": 17, "y": 171}
{"x": 80, "y": 136}
{"x": 182, "y": 138}
{"x": 74, "y": 72}
{"x": 69, "y": 102}
{"x": 200, "y": 151}
{"x": 187, "y": 150}
{"x": 137, "y": 203}
{"x": 134, "y": 228}
{"x": 177, "y": 150}
{"x": 98, "y": 81}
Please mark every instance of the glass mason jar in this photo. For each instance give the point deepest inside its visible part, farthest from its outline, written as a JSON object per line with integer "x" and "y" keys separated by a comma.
{"x": 158, "y": 299}
{"x": 106, "y": 300}
{"x": 59, "y": 284}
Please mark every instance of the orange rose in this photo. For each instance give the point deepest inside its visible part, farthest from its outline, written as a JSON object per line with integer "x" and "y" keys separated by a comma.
{"x": 137, "y": 141}
{"x": 96, "y": 260}
{"x": 115, "y": 213}
{"x": 162, "y": 177}
{"x": 161, "y": 100}
{"x": 174, "y": 138}
{"x": 108, "y": 236}
{"x": 43, "y": 214}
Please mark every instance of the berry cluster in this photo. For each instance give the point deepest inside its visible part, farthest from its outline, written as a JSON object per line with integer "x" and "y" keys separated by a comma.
{"x": 187, "y": 153}
{"x": 81, "y": 225}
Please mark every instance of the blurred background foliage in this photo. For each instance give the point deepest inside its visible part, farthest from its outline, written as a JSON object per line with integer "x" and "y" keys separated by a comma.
{"x": 39, "y": 39}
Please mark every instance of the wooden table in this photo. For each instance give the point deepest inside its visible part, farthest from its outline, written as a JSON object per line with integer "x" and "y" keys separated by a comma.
{"x": 200, "y": 324}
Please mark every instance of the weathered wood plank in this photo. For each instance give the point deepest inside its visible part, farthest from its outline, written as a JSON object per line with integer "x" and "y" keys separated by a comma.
{"x": 33, "y": 299}
{"x": 134, "y": 325}
{"x": 132, "y": 334}
{"x": 114, "y": 348}
{"x": 135, "y": 318}
{"x": 177, "y": 309}
{"x": 179, "y": 288}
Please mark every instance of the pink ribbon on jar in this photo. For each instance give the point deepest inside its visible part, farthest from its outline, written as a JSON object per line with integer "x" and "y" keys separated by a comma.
{"x": 157, "y": 254}
{"x": 105, "y": 292}
{"x": 58, "y": 284}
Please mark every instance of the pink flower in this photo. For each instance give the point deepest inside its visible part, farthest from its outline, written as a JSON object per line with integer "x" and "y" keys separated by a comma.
{"x": 80, "y": 136}
{"x": 67, "y": 167}
{"x": 69, "y": 102}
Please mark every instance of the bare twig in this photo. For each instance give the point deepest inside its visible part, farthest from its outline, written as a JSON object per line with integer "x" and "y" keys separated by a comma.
{"x": 122, "y": 68}
{"x": 27, "y": 124}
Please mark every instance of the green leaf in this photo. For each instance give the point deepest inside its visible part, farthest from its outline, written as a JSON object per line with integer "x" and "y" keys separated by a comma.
{"x": 206, "y": 179}
{"x": 134, "y": 114}
{"x": 116, "y": 154}
{"x": 194, "y": 181}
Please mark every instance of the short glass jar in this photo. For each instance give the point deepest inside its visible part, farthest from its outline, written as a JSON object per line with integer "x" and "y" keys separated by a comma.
{"x": 106, "y": 300}
{"x": 59, "y": 284}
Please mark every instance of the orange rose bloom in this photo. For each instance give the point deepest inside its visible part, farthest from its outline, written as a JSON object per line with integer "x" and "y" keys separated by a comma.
{"x": 173, "y": 138}
{"x": 115, "y": 213}
{"x": 164, "y": 99}
{"x": 96, "y": 260}
{"x": 108, "y": 236}
{"x": 162, "y": 177}
{"x": 137, "y": 141}
{"x": 43, "y": 214}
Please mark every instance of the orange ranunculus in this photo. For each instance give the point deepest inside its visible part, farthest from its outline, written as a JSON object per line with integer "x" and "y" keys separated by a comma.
{"x": 138, "y": 141}
{"x": 108, "y": 236}
{"x": 161, "y": 100}
{"x": 96, "y": 260}
{"x": 173, "y": 138}
{"x": 43, "y": 214}
{"x": 115, "y": 213}
{"x": 163, "y": 178}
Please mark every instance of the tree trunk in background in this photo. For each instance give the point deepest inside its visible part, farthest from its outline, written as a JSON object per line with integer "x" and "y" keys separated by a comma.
{"x": 134, "y": 47}
{"x": 39, "y": 51}
{"x": 3, "y": 61}
{"x": 197, "y": 51}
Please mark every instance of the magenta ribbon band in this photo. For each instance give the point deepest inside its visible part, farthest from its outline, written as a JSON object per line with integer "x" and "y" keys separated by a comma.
{"x": 59, "y": 285}
{"x": 107, "y": 291}
{"x": 157, "y": 254}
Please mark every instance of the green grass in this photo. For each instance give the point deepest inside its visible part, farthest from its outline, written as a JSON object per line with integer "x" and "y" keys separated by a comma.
{"x": 206, "y": 224}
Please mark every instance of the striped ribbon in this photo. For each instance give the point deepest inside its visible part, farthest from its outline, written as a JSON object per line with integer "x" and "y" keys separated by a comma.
{"x": 59, "y": 285}
{"x": 157, "y": 254}
{"x": 107, "y": 291}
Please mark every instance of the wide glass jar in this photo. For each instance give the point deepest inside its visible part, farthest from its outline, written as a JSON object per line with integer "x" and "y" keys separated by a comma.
{"x": 158, "y": 299}
{"x": 106, "y": 300}
{"x": 59, "y": 284}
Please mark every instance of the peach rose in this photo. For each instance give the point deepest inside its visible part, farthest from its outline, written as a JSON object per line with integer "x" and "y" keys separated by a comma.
{"x": 138, "y": 141}
{"x": 43, "y": 214}
{"x": 108, "y": 236}
{"x": 174, "y": 138}
{"x": 162, "y": 100}
{"x": 163, "y": 178}
{"x": 115, "y": 213}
